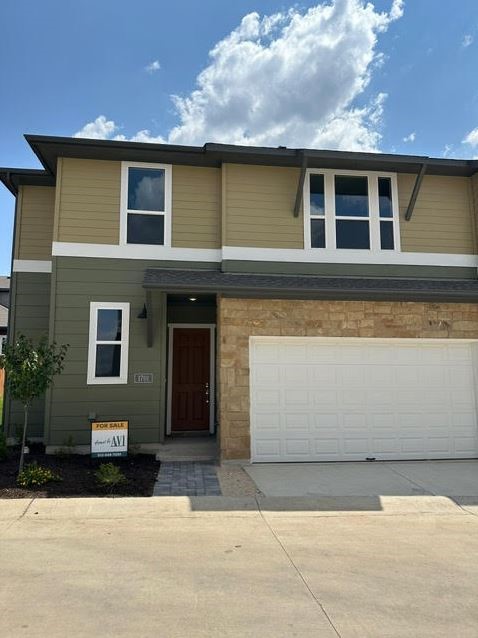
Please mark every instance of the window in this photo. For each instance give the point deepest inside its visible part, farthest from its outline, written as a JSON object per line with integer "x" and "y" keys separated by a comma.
{"x": 108, "y": 345}
{"x": 145, "y": 204}
{"x": 317, "y": 211}
{"x": 351, "y": 210}
{"x": 386, "y": 213}
{"x": 351, "y": 206}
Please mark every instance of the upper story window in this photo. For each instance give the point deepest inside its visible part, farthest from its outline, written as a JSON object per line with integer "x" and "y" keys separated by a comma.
{"x": 108, "y": 343}
{"x": 146, "y": 204}
{"x": 351, "y": 210}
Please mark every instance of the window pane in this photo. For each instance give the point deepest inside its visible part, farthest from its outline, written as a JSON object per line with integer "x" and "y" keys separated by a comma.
{"x": 146, "y": 189}
{"x": 317, "y": 233}
{"x": 351, "y": 196}
{"x": 385, "y": 196}
{"x": 317, "y": 201}
{"x": 108, "y": 358}
{"x": 145, "y": 229}
{"x": 109, "y": 325}
{"x": 386, "y": 236}
{"x": 352, "y": 234}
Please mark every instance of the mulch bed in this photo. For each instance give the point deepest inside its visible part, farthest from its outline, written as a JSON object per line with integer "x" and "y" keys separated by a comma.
{"x": 77, "y": 473}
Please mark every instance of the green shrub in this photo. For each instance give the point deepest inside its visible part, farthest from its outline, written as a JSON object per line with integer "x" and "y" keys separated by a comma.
{"x": 109, "y": 476}
{"x": 3, "y": 446}
{"x": 34, "y": 475}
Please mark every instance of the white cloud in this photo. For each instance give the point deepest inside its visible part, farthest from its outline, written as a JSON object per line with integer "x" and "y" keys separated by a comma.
{"x": 152, "y": 66}
{"x": 472, "y": 138}
{"x": 292, "y": 78}
{"x": 100, "y": 129}
{"x": 409, "y": 138}
{"x": 467, "y": 40}
{"x": 448, "y": 151}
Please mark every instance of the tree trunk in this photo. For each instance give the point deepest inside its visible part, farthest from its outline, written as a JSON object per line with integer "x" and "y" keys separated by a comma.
{"x": 24, "y": 438}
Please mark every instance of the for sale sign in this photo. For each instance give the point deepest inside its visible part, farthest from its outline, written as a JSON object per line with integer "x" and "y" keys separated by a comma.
{"x": 109, "y": 438}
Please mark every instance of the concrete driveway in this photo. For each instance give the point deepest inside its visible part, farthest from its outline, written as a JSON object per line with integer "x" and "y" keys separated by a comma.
{"x": 414, "y": 478}
{"x": 216, "y": 567}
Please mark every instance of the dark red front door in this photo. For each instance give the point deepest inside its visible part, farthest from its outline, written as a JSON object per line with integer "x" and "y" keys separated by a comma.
{"x": 190, "y": 379}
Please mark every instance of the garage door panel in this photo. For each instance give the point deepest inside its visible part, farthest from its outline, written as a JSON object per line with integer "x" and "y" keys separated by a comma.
{"x": 297, "y": 447}
{"x": 385, "y": 445}
{"x": 296, "y": 397}
{"x": 326, "y": 420}
{"x": 269, "y": 423}
{"x": 324, "y": 398}
{"x": 268, "y": 449}
{"x": 342, "y": 399}
{"x": 459, "y": 353}
{"x": 463, "y": 444}
{"x": 326, "y": 446}
{"x": 320, "y": 375}
{"x": 295, "y": 423}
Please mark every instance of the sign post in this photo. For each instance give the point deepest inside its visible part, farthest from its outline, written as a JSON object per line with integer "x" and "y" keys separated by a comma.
{"x": 109, "y": 439}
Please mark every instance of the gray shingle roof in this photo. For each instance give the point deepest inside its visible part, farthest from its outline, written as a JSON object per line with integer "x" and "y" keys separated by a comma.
{"x": 309, "y": 286}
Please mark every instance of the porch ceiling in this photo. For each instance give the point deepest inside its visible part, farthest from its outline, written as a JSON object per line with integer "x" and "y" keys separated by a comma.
{"x": 308, "y": 286}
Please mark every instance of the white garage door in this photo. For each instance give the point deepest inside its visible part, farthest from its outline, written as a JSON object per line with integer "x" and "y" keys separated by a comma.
{"x": 340, "y": 399}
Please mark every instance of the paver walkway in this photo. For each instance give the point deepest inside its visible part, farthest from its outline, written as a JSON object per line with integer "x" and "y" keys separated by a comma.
{"x": 187, "y": 478}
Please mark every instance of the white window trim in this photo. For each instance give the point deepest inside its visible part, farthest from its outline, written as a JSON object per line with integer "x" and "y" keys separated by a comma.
{"x": 124, "y": 343}
{"x": 330, "y": 218}
{"x": 167, "y": 203}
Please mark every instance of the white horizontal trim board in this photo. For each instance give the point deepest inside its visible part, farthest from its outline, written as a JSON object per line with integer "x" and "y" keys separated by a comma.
{"x": 352, "y": 399}
{"x": 340, "y": 256}
{"x": 239, "y": 253}
{"x": 134, "y": 251}
{"x": 31, "y": 265}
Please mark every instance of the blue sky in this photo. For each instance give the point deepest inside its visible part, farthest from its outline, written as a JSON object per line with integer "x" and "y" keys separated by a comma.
{"x": 321, "y": 74}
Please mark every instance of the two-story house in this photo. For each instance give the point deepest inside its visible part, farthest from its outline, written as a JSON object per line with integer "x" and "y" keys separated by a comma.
{"x": 302, "y": 304}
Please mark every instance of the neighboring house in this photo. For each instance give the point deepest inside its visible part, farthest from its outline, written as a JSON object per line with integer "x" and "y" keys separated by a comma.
{"x": 306, "y": 305}
{"x": 4, "y": 304}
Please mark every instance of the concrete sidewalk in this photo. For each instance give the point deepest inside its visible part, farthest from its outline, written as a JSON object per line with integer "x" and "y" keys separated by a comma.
{"x": 210, "y": 566}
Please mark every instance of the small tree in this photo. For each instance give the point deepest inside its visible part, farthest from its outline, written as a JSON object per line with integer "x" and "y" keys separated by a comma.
{"x": 30, "y": 370}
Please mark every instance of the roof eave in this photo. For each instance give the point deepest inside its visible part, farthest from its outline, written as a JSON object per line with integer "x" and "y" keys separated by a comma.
{"x": 49, "y": 148}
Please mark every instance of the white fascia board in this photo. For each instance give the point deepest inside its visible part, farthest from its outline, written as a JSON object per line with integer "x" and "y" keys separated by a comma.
{"x": 337, "y": 256}
{"x": 31, "y": 265}
{"x": 240, "y": 253}
{"x": 136, "y": 251}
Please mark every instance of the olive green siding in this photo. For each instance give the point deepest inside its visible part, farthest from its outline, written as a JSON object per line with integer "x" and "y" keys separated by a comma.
{"x": 79, "y": 282}
{"x": 196, "y": 205}
{"x": 442, "y": 220}
{"x": 35, "y": 213}
{"x": 345, "y": 270}
{"x": 88, "y": 201}
{"x": 258, "y": 207}
{"x": 30, "y": 313}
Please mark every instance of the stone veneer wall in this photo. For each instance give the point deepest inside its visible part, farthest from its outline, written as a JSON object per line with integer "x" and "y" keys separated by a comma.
{"x": 238, "y": 319}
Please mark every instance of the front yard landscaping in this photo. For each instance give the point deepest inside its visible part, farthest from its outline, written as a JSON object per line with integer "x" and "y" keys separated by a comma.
{"x": 78, "y": 475}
